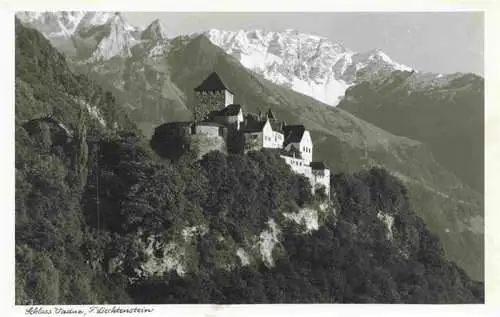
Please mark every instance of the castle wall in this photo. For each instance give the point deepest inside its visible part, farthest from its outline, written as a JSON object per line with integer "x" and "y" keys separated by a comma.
{"x": 298, "y": 165}
{"x": 253, "y": 141}
{"x": 306, "y": 147}
{"x": 205, "y": 143}
{"x": 321, "y": 178}
{"x": 317, "y": 178}
{"x": 209, "y": 130}
{"x": 276, "y": 140}
{"x": 235, "y": 121}
{"x": 207, "y": 101}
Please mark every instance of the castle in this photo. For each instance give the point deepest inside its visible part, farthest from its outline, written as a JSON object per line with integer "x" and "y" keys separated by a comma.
{"x": 222, "y": 125}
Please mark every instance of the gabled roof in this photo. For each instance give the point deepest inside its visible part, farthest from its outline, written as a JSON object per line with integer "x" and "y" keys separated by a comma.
{"x": 293, "y": 133}
{"x": 318, "y": 165}
{"x": 253, "y": 124}
{"x": 276, "y": 126}
{"x": 230, "y": 110}
{"x": 212, "y": 83}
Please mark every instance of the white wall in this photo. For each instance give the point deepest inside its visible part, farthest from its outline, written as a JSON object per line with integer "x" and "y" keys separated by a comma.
{"x": 306, "y": 147}
{"x": 228, "y": 98}
{"x": 277, "y": 139}
{"x": 300, "y": 166}
{"x": 240, "y": 119}
{"x": 268, "y": 136}
{"x": 272, "y": 139}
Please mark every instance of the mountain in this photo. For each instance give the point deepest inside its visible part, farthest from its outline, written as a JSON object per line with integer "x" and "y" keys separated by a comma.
{"x": 101, "y": 219}
{"x": 157, "y": 89}
{"x": 101, "y": 35}
{"x": 309, "y": 64}
{"x": 446, "y": 114}
{"x": 53, "y": 24}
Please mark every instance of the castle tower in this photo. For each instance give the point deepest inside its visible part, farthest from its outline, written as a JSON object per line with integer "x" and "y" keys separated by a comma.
{"x": 211, "y": 95}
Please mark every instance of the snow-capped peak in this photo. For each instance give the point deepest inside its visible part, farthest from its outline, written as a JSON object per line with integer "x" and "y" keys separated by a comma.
{"x": 52, "y": 24}
{"x": 309, "y": 64}
{"x": 92, "y": 19}
{"x": 118, "y": 41}
{"x": 155, "y": 31}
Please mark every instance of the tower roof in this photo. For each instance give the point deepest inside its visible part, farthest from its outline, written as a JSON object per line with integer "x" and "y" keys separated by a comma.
{"x": 270, "y": 114}
{"x": 212, "y": 83}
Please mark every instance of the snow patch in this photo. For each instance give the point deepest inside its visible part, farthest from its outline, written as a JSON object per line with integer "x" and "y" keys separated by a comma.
{"x": 117, "y": 43}
{"x": 159, "y": 49}
{"x": 309, "y": 64}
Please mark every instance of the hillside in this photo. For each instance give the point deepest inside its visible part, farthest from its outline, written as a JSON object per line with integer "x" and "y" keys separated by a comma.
{"x": 100, "y": 218}
{"x": 446, "y": 116}
{"x": 450, "y": 209}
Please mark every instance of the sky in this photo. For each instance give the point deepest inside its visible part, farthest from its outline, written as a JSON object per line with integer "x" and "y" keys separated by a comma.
{"x": 442, "y": 42}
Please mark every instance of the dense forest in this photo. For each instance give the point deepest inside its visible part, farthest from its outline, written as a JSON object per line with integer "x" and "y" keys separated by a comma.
{"x": 88, "y": 203}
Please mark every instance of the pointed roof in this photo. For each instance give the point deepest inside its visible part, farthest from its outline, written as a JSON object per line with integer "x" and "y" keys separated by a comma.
{"x": 212, "y": 83}
{"x": 293, "y": 133}
{"x": 276, "y": 126}
{"x": 253, "y": 124}
{"x": 270, "y": 114}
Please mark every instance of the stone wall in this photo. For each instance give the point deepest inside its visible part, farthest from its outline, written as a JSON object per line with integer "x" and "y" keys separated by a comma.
{"x": 205, "y": 143}
{"x": 253, "y": 141}
{"x": 207, "y": 101}
{"x": 209, "y": 130}
{"x": 321, "y": 178}
{"x": 171, "y": 140}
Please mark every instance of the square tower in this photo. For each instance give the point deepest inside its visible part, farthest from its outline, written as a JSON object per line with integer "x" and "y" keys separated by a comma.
{"x": 211, "y": 95}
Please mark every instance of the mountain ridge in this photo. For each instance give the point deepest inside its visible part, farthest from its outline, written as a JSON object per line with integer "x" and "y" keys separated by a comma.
{"x": 322, "y": 69}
